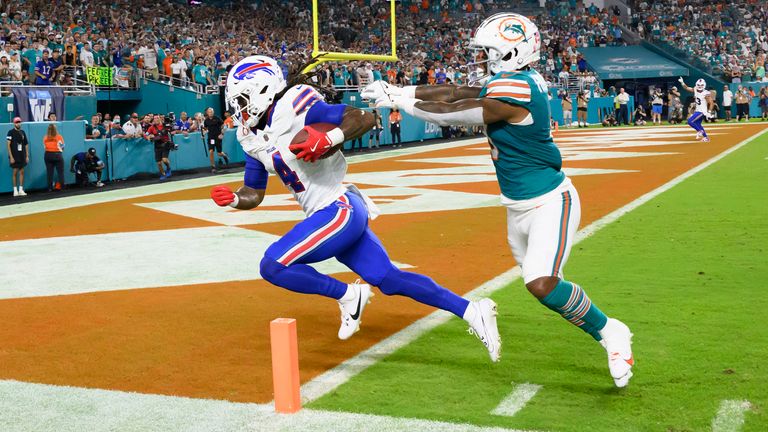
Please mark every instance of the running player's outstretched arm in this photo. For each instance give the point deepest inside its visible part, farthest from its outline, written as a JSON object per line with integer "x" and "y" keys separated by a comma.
{"x": 436, "y": 93}
{"x": 467, "y": 112}
{"x": 251, "y": 194}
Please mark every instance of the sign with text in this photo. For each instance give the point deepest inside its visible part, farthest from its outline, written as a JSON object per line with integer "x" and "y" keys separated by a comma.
{"x": 100, "y": 76}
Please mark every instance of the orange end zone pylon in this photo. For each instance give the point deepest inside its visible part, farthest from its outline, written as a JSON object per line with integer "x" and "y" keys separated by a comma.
{"x": 285, "y": 365}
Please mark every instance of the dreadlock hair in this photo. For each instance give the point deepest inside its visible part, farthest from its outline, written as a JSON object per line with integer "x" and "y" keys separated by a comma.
{"x": 297, "y": 77}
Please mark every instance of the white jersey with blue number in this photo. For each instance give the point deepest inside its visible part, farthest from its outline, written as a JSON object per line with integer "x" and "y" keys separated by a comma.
{"x": 701, "y": 101}
{"x": 314, "y": 185}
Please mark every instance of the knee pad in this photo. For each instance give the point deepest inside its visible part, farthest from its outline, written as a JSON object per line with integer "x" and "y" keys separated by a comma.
{"x": 269, "y": 269}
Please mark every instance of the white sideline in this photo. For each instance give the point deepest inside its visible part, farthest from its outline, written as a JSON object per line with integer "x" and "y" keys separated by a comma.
{"x": 333, "y": 378}
{"x": 516, "y": 400}
{"x": 730, "y": 416}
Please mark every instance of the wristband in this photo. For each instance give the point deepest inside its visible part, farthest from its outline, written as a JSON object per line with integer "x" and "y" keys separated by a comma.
{"x": 336, "y": 136}
{"x": 236, "y": 201}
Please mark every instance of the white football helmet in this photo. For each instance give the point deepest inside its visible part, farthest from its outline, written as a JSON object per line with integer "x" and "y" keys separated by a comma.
{"x": 510, "y": 42}
{"x": 252, "y": 85}
{"x": 701, "y": 85}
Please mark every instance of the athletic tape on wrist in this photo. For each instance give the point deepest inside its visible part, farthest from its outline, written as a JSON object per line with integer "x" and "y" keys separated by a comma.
{"x": 235, "y": 202}
{"x": 336, "y": 136}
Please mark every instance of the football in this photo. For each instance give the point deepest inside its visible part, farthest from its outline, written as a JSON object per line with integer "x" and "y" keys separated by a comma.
{"x": 322, "y": 127}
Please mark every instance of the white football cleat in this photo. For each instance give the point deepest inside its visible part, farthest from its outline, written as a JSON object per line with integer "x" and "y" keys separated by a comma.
{"x": 483, "y": 325}
{"x": 705, "y": 139}
{"x": 699, "y": 135}
{"x": 617, "y": 341}
{"x": 352, "y": 309}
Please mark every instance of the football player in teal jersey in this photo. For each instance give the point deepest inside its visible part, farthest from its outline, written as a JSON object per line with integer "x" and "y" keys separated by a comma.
{"x": 543, "y": 209}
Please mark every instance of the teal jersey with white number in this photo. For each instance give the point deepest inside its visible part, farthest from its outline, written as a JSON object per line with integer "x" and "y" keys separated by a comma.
{"x": 528, "y": 164}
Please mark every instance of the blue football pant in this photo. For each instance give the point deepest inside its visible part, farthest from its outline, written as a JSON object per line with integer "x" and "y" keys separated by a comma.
{"x": 341, "y": 230}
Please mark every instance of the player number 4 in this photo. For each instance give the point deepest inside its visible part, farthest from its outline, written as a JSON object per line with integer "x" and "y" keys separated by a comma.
{"x": 286, "y": 174}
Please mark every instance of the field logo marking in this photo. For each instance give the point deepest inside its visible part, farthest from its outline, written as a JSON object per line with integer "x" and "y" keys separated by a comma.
{"x": 730, "y": 416}
{"x": 516, "y": 400}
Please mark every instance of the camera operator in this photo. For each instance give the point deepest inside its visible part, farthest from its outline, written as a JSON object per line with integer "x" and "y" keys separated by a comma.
{"x": 84, "y": 163}
{"x": 169, "y": 123}
{"x": 160, "y": 135}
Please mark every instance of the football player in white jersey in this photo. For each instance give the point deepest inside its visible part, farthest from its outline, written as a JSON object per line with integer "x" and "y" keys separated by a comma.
{"x": 269, "y": 113}
{"x": 704, "y": 107}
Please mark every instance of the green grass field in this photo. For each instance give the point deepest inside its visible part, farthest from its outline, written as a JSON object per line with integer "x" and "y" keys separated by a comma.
{"x": 686, "y": 272}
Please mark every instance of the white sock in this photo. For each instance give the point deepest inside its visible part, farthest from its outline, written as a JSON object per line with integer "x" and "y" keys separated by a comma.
{"x": 470, "y": 313}
{"x": 351, "y": 294}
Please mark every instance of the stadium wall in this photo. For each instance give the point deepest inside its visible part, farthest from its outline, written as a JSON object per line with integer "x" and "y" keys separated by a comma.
{"x": 74, "y": 106}
{"x": 162, "y": 98}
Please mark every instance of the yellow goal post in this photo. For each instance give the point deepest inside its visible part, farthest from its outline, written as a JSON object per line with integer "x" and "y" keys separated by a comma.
{"x": 320, "y": 57}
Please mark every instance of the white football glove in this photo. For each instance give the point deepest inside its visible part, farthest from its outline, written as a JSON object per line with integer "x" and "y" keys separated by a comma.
{"x": 710, "y": 115}
{"x": 682, "y": 81}
{"x": 378, "y": 89}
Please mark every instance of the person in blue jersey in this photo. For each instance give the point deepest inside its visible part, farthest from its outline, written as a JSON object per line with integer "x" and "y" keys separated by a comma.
{"x": 43, "y": 70}
{"x": 543, "y": 210}
{"x": 269, "y": 112}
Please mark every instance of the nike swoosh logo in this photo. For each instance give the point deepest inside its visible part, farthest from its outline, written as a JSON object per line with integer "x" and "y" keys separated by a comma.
{"x": 313, "y": 148}
{"x": 356, "y": 315}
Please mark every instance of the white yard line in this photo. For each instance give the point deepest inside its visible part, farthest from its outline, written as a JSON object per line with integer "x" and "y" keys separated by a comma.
{"x": 516, "y": 400}
{"x": 730, "y": 416}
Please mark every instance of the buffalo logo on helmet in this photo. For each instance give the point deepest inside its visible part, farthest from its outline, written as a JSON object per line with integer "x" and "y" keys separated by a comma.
{"x": 249, "y": 70}
{"x": 512, "y": 29}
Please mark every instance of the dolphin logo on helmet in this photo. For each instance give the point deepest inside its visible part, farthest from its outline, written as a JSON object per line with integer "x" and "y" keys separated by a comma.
{"x": 509, "y": 42}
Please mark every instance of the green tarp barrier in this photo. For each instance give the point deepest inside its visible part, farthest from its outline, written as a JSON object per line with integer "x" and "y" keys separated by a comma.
{"x": 630, "y": 62}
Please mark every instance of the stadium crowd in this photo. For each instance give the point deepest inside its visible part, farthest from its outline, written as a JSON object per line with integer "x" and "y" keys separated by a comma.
{"x": 40, "y": 39}
{"x": 726, "y": 38}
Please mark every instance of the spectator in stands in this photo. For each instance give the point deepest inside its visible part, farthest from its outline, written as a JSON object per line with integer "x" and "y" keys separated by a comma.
{"x": 146, "y": 122}
{"x": 43, "y": 70}
{"x": 54, "y": 146}
{"x": 623, "y": 112}
{"x": 114, "y": 128}
{"x": 727, "y": 102}
{"x": 178, "y": 70}
{"x": 161, "y": 137}
{"x": 84, "y": 163}
{"x": 100, "y": 55}
{"x": 132, "y": 128}
{"x": 95, "y": 129}
{"x": 394, "y": 127}
{"x": 201, "y": 73}
{"x": 149, "y": 51}
{"x": 182, "y": 124}
{"x": 86, "y": 56}
{"x": 70, "y": 59}
{"x": 14, "y": 66}
{"x": 213, "y": 126}
{"x": 5, "y": 69}
{"x": 18, "y": 155}
{"x": 57, "y": 67}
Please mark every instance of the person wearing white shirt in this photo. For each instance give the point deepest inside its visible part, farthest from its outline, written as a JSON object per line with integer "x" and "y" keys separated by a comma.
{"x": 727, "y": 102}
{"x": 150, "y": 59}
{"x": 177, "y": 69}
{"x": 86, "y": 56}
{"x": 132, "y": 128}
{"x": 623, "y": 99}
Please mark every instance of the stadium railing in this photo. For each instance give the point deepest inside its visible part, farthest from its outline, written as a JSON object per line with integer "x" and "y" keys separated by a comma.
{"x": 75, "y": 89}
{"x": 185, "y": 84}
